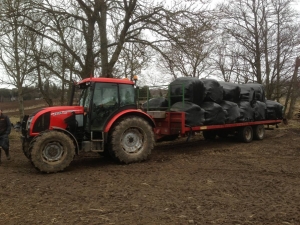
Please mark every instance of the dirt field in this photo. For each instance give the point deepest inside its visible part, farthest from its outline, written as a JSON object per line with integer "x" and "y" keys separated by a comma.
{"x": 199, "y": 182}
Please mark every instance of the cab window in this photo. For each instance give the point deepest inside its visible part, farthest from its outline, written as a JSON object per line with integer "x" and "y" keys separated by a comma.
{"x": 126, "y": 94}
{"x": 105, "y": 94}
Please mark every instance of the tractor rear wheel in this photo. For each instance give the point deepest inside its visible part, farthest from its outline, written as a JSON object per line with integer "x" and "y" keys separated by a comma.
{"x": 131, "y": 140}
{"x": 52, "y": 151}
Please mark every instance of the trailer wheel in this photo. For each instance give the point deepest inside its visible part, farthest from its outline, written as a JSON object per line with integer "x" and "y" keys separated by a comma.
{"x": 259, "y": 132}
{"x": 132, "y": 140}
{"x": 246, "y": 134}
{"x": 52, "y": 151}
{"x": 209, "y": 134}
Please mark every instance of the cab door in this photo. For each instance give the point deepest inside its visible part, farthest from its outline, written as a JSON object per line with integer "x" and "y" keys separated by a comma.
{"x": 105, "y": 101}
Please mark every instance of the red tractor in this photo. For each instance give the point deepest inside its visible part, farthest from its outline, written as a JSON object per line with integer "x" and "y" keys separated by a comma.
{"x": 106, "y": 120}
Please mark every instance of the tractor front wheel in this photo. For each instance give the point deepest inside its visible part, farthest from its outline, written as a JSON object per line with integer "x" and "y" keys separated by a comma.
{"x": 25, "y": 148}
{"x": 52, "y": 151}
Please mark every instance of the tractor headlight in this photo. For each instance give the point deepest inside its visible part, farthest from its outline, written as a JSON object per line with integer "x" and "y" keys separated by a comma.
{"x": 29, "y": 122}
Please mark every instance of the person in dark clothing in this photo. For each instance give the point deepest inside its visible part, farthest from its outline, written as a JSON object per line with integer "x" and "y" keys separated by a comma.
{"x": 5, "y": 128}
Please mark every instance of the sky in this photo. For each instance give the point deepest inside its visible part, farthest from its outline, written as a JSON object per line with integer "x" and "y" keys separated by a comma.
{"x": 3, "y": 76}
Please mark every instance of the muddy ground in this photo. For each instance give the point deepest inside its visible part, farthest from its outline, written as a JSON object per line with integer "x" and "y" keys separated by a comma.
{"x": 199, "y": 182}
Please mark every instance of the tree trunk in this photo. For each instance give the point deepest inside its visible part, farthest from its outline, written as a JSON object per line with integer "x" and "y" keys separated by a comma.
{"x": 294, "y": 89}
{"x": 103, "y": 40}
{"x": 287, "y": 100}
{"x": 21, "y": 103}
{"x": 40, "y": 85}
{"x": 63, "y": 83}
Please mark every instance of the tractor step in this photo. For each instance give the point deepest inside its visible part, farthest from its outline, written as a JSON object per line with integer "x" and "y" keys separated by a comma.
{"x": 97, "y": 150}
{"x": 97, "y": 145}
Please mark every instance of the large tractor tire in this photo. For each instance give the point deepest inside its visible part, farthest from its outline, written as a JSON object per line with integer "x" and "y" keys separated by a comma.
{"x": 259, "y": 132}
{"x": 52, "y": 151}
{"x": 25, "y": 148}
{"x": 131, "y": 140}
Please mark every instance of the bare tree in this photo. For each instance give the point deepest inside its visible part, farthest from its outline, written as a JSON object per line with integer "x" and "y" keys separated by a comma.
{"x": 225, "y": 59}
{"x": 293, "y": 91}
{"x": 132, "y": 60}
{"x": 189, "y": 54}
{"x": 15, "y": 47}
{"x": 265, "y": 34}
{"x": 287, "y": 39}
{"x": 242, "y": 20}
{"x": 104, "y": 27}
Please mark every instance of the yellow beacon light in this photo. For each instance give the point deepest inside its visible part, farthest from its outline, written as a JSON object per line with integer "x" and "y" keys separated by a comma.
{"x": 135, "y": 78}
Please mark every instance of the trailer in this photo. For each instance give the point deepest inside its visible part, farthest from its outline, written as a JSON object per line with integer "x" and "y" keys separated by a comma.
{"x": 170, "y": 125}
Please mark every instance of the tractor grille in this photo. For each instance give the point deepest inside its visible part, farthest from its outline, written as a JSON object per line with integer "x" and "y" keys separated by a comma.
{"x": 42, "y": 123}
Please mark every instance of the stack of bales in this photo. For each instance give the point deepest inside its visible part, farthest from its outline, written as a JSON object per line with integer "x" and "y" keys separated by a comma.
{"x": 212, "y": 102}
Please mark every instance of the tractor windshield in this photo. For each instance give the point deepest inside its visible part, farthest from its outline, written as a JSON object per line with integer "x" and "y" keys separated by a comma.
{"x": 85, "y": 97}
{"x": 78, "y": 94}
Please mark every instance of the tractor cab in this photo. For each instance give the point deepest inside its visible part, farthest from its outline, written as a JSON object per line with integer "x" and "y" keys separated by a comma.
{"x": 103, "y": 98}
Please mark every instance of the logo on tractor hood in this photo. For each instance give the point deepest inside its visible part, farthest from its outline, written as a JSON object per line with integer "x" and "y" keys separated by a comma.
{"x": 56, "y": 111}
{"x": 61, "y": 112}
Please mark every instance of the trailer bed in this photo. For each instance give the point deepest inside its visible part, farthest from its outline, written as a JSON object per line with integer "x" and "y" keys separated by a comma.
{"x": 172, "y": 123}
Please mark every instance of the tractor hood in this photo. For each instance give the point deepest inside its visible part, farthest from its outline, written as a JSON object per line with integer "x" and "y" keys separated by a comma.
{"x": 51, "y": 117}
{"x": 59, "y": 109}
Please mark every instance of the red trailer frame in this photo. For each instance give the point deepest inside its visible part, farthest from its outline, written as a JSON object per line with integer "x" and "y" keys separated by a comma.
{"x": 172, "y": 123}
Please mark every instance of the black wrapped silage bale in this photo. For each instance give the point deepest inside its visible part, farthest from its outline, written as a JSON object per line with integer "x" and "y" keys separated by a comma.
{"x": 192, "y": 88}
{"x": 246, "y": 111}
{"x": 231, "y": 91}
{"x": 232, "y": 109}
{"x": 274, "y": 110}
{"x": 214, "y": 113}
{"x": 260, "y": 110}
{"x": 213, "y": 90}
{"x": 259, "y": 90}
{"x": 156, "y": 104}
{"x": 247, "y": 93}
{"x": 194, "y": 115}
